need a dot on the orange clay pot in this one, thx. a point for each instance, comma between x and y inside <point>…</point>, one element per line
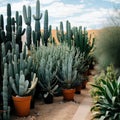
<point>68,94</point>
<point>22,105</point>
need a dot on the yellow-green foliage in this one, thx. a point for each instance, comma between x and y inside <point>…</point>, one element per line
<point>106,96</point>
<point>109,74</point>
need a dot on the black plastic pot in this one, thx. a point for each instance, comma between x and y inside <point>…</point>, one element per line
<point>48,99</point>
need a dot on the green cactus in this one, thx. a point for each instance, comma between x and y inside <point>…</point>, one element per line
<point>81,40</point>
<point>60,34</point>
<point>13,24</point>
<point>1,22</point>
<point>65,36</point>
<point>68,36</point>
<point>22,88</point>
<point>8,26</point>
<point>37,23</point>
<point>47,32</point>
<point>27,19</point>
<point>46,73</point>
<point>19,32</point>
<point>1,40</point>
<point>6,108</point>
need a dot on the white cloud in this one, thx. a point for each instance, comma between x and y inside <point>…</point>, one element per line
<point>48,1</point>
<point>78,14</point>
<point>114,1</point>
<point>92,19</point>
<point>59,9</point>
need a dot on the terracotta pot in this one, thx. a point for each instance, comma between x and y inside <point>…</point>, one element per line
<point>68,94</point>
<point>22,105</point>
<point>78,89</point>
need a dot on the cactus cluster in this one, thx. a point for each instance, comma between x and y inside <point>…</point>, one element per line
<point>82,41</point>
<point>65,36</point>
<point>75,36</point>
<point>21,86</point>
<point>17,69</point>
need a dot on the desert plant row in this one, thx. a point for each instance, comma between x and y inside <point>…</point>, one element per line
<point>47,66</point>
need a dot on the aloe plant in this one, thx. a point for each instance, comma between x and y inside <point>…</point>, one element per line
<point>107,96</point>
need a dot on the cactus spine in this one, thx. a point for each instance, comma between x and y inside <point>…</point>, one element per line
<point>47,32</point>
<point>37,18</point>
<point>27,19</point>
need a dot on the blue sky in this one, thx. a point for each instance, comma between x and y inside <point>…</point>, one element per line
<point>92,14</point>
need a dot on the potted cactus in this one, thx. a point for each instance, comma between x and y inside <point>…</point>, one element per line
<point>47,79</point>
<point>21,79</point>
<point>68,74</point>
<point>22,90</point>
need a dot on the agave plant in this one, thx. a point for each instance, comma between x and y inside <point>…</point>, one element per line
<point>107,105</point>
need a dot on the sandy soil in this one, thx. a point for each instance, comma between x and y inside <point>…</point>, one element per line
<point>58,110</point>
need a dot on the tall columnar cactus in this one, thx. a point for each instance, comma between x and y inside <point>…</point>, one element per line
<point>61,33</point>
<point>37,18</point>
<point>1,27</point>
<point>68,35</point>
<point>65,36</point>
<point>13,24</point>
<point>1,40</point>
<point>82,41</point>
<point>1,23</point>
<point>6,108</point>
<point>8,26</point>
<point>20,32</point>
<point>27,19</point>
<point>6,37</point>
<point>47,32</point>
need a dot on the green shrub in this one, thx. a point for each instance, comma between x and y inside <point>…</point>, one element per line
<point>108,47</point>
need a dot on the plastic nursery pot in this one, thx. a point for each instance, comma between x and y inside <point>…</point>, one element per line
<point>68,94</point>
<point>78,89</point>
<point>84,84</point>
<point>48,99</point>
<point>22,105</point>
